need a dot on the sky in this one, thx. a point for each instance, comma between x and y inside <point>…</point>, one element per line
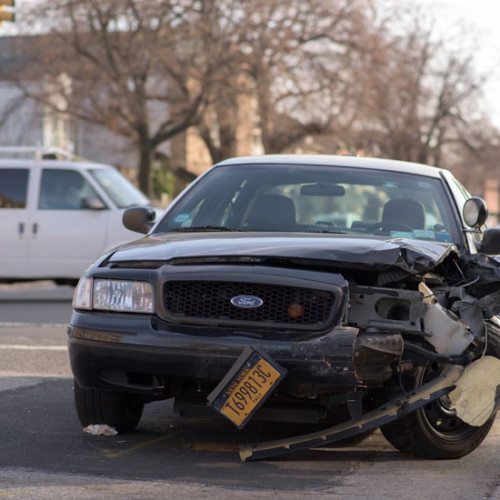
<point>481,19</point>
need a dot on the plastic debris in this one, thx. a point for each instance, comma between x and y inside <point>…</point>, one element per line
<point>100,430</point>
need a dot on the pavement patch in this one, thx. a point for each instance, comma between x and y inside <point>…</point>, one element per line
<point>8,383</point>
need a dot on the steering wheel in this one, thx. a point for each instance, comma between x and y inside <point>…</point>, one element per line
<point>325,223</point>
<point>394,226</point>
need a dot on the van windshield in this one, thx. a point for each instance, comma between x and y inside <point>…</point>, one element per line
<point>122,192</point>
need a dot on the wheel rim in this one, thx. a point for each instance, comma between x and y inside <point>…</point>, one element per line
<point>439,416</point>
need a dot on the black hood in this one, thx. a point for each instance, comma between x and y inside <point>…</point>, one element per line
<point>360,252</point>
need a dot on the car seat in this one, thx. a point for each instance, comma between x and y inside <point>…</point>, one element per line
<point>272,212</point>
<point>404,211</point>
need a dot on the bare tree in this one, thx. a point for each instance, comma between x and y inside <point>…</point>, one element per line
<point>132,66</point>
<point>341,70</point>
<point>291,58</point>
<point>418,94</point>
<point>299,55</point>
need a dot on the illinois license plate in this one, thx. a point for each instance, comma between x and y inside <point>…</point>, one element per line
<point>246,386</point>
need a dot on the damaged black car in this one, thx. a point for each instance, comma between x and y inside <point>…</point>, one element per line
<point>352,293</point>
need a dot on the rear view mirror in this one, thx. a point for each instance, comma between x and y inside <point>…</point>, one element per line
<point>139,219</point>
<point>322,190</point>
<point>475,212</point>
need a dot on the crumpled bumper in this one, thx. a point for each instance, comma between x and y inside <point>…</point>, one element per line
<point>342,357</point>
<point>388,412</point>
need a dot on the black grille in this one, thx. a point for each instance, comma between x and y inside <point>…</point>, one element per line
<point>211,300</point>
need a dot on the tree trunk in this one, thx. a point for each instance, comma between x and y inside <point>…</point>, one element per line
<point>145,157</point>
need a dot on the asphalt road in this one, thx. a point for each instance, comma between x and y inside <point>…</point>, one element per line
<point>44,452</point>
<point>40,434</point>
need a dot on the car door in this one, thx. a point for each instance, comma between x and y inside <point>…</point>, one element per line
<point>14,221</point>
<point>68,233</point>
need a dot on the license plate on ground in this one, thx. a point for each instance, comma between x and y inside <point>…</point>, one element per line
<point>246,386</point>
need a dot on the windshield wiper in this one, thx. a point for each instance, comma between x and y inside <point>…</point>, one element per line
<point>205,228</point>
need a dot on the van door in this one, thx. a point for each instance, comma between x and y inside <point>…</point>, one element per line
<point>14,221</point>
<point>68,229</point>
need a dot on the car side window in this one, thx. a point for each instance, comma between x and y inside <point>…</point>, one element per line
<point>13,187</point>
<point>64,190</point>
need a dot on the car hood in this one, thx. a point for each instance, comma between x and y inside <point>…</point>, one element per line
<point>414,256</point>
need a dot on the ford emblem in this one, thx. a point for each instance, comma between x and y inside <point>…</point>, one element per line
<point>247,301</point>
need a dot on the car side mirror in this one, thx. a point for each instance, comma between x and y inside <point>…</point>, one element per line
<point>92,203</point>
<point>475,212</point>
<point>139,219</point>
<point>490,243</point>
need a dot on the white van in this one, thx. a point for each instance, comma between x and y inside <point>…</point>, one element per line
<point>58,216</point>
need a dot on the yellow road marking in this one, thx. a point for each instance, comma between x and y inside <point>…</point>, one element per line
<point>114,454</point>
<point>193,446</point>
<point>214,447</point>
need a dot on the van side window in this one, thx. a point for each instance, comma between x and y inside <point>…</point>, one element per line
<point>64,190</point>
<point>13,187</point>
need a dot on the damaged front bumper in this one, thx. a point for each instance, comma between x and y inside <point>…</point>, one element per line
<point>473,393</point>
<point>388,412</point>
<point>344,357</point>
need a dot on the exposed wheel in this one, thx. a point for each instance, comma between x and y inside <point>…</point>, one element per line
<point>97,406</point>
<point>434,431</point>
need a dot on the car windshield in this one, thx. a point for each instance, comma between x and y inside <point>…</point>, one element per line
<point>315,199</point>
<point>122,192</point>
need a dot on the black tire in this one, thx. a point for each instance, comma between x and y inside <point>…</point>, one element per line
<point>96,406</point>
<point>434,431</point>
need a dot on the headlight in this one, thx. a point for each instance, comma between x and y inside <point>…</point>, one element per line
<point>126,296</point>
<point>114,295</point>
<point>82,298</point>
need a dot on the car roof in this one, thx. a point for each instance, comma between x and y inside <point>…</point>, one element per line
<point>338,161</point>
<point>33,163</point>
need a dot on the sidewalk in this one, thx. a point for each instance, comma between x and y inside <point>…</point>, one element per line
<point>36,290</point>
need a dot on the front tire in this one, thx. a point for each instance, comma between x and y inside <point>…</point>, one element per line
<point>116,409</point>
<point>434,431</point>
